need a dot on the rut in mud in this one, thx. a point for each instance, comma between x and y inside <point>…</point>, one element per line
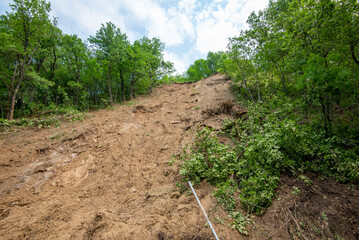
<point>108,177</point>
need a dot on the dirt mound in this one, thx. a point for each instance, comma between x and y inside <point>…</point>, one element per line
<point>108,177</point>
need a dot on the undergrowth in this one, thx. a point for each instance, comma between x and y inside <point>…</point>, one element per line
<point>269,142</point>
<point>51,119</point>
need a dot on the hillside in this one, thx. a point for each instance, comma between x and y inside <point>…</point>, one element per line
<point>109,177</point>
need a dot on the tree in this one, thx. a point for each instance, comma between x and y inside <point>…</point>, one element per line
<point>137,64</point>
<point>153,57</point>
<point>111,46</point>
<point>42,68</point>
<point>198,70</point>
<point>215,61</point>
<point>323,44</point>
<point>310,48</point>
<point>23,29</point>
<point>241,53</point>
<point>75,58</point>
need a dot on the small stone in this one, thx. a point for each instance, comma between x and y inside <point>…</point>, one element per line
<point>60,149</point>
<point>132,190</point>
<point>175,195</point>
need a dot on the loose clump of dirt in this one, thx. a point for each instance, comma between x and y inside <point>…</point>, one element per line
<point>108,177</point>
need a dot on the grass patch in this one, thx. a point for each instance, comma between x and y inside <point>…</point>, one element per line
<point>46,120</point>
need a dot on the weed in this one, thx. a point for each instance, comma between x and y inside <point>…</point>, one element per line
<point>305,180</point>
<point>240,222</point>
<point>228,124</point>
<point>57,136</point>
<point>296,191</point>
<point>197,107</point>
<point>218,220</point>
<point>129,103</point>
<point>324,216</point>
<point>172,161</point>
<point>194,93</point>
<point>46,121</point>
<point>338,237</point>
<point>225,195</point>
<point>181,187</point>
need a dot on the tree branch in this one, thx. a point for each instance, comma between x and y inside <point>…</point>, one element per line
<point>32,54</point>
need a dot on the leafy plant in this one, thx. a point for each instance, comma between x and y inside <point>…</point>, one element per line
<point>296,191</point>
<point>240,222</point>
<point>225,195</point>
<point>324,216</point>
<point>305,180</point>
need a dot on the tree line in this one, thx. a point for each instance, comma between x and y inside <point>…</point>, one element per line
<point>43,68</point>
<point>305,51</point>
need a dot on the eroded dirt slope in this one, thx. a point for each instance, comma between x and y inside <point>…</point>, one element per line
<point>108,177</point>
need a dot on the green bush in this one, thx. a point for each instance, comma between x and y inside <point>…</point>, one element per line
<point>270,141</point>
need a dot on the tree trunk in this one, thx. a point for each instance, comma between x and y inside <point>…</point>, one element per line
<point>131,92</point>
<point>109,86</point>
<point>132,84</point>
<point>282,79</point>
<point>77,89</point>
<point>88,99</point>
<point>53,64</point>
<point>23,66</point>
<point>45,100</point>
<point>122,85</point>
<point>13,91</point>
<point>353,53</point>
<point>12,101</point>
<point>326,114</point>
<point>259,93</point>
<point>245,85</point>
<point>2,109</point>
<point>39,65</point>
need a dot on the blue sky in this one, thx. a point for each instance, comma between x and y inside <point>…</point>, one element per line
<point>189,28</point>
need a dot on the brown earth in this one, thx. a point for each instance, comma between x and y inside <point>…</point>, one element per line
<point>109,177</point>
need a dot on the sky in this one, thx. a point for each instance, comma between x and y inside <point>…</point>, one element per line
<point>189,28</point>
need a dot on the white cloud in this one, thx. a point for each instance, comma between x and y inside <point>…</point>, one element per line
<point>84,18</point>
<point>172,26</point>
<point>187,6</point>
<point>213,35</point>
<point>179,62</point>
<point>219,22</point>
<point>190,28</point>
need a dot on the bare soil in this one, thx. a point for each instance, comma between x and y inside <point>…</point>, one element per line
<point>109,177</point>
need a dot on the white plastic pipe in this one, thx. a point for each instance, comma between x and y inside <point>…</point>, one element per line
<point>204,212</point>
